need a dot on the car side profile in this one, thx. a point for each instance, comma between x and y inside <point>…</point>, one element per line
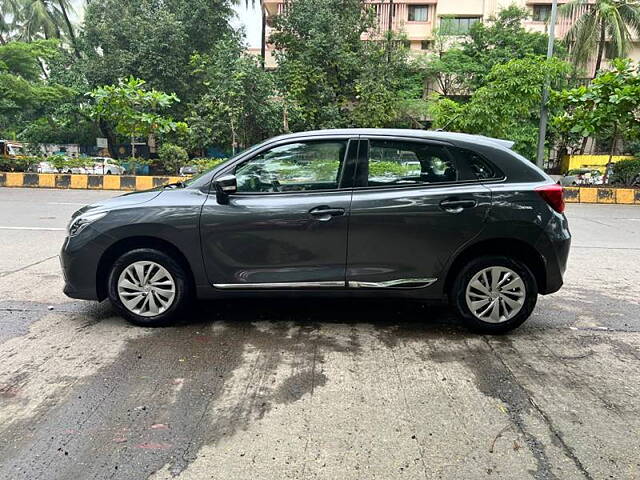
<point>422,215</point>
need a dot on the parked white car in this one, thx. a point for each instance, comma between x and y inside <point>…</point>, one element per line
<point>105,166</point>
<point>45,167</point>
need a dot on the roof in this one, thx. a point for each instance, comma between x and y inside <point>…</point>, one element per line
<point>400,132</point>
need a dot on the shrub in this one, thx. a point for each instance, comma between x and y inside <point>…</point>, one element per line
<point>172,157</point>
<point>626,172</point>
<point>204,164</point>
<point>19,164</point>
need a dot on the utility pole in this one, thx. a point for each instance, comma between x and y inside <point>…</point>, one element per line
<point>544,111</point>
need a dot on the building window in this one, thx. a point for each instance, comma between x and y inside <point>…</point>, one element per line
<point>541,13</point>
<point>426,44</point>
<point>418,13</point>
<point>457,25</point>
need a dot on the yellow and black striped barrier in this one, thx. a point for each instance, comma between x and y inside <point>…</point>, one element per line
<point>84,182</point>
<point>621,196</point>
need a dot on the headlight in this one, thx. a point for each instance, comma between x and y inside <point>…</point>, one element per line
<point>77,224</point>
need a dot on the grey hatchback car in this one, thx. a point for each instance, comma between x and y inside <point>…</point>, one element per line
<point>429,216</point>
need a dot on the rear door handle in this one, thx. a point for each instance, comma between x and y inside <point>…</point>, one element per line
<point>457,206</point>
<point>325,213</point>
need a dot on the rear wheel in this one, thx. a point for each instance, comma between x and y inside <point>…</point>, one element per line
<point>494,294</point>
<point>148,287</point>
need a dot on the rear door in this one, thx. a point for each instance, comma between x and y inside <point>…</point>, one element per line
<point>414,204</point>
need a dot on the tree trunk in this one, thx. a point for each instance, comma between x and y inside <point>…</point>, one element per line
<point>108,133</point>
<point>601,46</point>
<point>611,151</point>
<point>2,40</point>
<point>43,68</point>
<point>583,146</point>
<point>72,34</point>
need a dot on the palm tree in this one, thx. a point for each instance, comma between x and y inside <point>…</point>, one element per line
<point>598,23</point>
<point>8,10</point>
<point>66,7</point>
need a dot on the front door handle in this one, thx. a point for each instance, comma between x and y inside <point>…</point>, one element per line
<point>454,205</point>
<point>325,213</point>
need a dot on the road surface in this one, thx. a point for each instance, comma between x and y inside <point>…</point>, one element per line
<point>322,389</point>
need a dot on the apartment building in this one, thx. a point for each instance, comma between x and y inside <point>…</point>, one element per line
<point>418,19</point>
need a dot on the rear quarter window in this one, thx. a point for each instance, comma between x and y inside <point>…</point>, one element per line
<point>474,166</point>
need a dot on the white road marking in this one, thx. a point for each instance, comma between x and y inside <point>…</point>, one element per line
<point>34,228</point>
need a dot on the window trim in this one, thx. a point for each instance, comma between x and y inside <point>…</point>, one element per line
<point>348,158</point>
<point>416,5</point>
<point>537,6</point>
<point>363,156</point>
<point>477,18</point>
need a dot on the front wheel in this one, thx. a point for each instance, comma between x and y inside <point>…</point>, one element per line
<point>148,287</point>
<point>494,294</point>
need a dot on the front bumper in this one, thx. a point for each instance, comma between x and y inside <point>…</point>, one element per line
<point>79,270</point>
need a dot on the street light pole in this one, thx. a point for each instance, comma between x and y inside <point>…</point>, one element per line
<point>544,112</point>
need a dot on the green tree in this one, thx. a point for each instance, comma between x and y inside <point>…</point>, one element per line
<point>613,22</point>
<point>24,95</point>
<point>320,56</point>
<point>150,39</point>
<point>134,109</point>
<point>330,77</point>
<point>609,106</point>
<point>507,106</point>
<point>460,67</point>
<point>239,105</point>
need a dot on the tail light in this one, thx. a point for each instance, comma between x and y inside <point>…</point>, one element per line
<point>553,195</point>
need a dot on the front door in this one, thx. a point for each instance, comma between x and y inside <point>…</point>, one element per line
<point>287,225</point>
<point>414,205</point>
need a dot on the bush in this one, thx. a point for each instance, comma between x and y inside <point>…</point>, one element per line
<point>172,157</point>
<point>20,164</point>
<point>626,172</point>
<point>204,164</point>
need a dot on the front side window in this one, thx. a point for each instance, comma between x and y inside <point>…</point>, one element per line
<point>541,13</point>
<point>294,167</point>
<point>418,13</point>
<point>457,25</point>
<point>408,163</point>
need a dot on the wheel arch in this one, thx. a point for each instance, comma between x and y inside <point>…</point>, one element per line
<point>513,248</point>
<point>127,244</point>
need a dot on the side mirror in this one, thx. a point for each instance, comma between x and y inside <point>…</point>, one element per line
<point>225,186</point>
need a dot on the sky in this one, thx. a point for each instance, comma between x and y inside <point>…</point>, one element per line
<point>247,17</point>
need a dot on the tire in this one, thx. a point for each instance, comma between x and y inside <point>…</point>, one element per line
<point>514,305</point>
<point>159,310</point>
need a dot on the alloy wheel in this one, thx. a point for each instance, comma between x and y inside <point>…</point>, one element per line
<point>146,288</point>
<point>495,294</point>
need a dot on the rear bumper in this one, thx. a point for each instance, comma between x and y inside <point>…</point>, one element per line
<point>554,247</point>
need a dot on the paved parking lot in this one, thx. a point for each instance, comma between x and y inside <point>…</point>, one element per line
<point>318,390</point>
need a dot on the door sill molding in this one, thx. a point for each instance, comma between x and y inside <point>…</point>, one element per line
<point>398,283</point>
<point>280,285</point>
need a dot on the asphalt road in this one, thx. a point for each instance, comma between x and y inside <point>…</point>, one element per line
<point>318,390</point>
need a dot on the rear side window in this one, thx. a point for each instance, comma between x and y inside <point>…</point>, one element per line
<point>476,167</point>
<point>408,163</point>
